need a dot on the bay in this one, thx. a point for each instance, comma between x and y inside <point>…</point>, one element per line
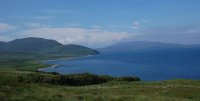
<point>149,65</point>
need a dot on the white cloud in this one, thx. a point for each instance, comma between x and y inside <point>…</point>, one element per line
<point>4,27</point>
<point>60,11</point>
<point>43,17</point>
<point>97,27</point>
<point>115,26</point>
<point>34,25</point>
<point>4,38</point>
<point>181,35</point>
<point>136,25</point>
<point>145,20</point>
<point>39,17</point>
<point>73,24</point>
<point>99,37</point>
<point>87,37</point>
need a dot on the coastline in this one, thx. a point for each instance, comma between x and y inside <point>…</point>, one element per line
<point>69,58</point>
<point>56,65</point>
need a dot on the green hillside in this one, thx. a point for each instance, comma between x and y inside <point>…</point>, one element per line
<point>70,49</point>
<point>20,79</point>
<point>15,88</point>
<point>45,47</point>
<point>29,45</point>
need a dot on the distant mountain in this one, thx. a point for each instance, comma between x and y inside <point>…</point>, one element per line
<point>144,45</point>
<point>29,45</point>
<point>2,43</point>
<point>44,46</point>
<point>71,49</point>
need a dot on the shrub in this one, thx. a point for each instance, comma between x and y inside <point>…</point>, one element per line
<point>70,79</point>
<point>129,79</point>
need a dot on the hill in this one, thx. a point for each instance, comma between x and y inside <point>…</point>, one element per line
<point>144,45</point>
<point>20,80</point>
<point>28,45</point>
<point>2,43</point>
<point>44,46</point>
<point>70,49</point>
<point>21,86</point>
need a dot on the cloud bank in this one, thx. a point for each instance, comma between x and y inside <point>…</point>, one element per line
<point>97,36</point>
<point>87,37</point>
<point>181,35</point>
<point>4,27</point>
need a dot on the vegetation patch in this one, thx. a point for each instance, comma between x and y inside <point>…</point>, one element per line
<point>20,80</point>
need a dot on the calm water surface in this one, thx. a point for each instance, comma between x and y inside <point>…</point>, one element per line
<point>156,65</point>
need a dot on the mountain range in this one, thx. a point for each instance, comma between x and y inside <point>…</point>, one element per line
<point>44,46</point>
<point>52,47</point>
<point>2,43</point>
<point>144,45</point>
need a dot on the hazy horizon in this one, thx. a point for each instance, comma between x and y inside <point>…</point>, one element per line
<point>100,23</point>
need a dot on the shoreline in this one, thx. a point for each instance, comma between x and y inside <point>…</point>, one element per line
<point>56,65</point>
<point>68,58</point>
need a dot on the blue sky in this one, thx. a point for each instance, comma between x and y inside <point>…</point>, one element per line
<point>99,23</point>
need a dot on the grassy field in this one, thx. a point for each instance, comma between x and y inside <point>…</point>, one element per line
<point>172,90</point>
<point>13,89</point>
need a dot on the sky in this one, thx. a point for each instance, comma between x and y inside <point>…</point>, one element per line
<point>100,23</point>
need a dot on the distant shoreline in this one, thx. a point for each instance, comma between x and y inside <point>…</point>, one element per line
<point>69,58</point>
<point>56,65</point>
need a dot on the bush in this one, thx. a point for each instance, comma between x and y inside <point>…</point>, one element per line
<point>33,78</point>
<point>71,79</point>
<point>129,79</point>
<point>83,79</point>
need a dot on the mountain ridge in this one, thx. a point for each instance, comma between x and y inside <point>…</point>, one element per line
<point>44,46</point>
<point>2,43</point>
<point>144,45</point>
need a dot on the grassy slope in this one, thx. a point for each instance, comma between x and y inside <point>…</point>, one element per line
<point>174,90</point>
<point>11,90</point>
<point>20,61</point>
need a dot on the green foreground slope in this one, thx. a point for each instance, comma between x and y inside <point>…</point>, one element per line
<point>172,90</point>
<point>19,81</point>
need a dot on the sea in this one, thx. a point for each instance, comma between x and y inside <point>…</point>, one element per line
<point>149,65</point>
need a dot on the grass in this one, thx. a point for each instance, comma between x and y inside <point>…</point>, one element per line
<point>14,66</point>
<point>111,91</point>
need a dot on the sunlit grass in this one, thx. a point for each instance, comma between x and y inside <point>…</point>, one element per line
<point>13,90</point>
<point>117,91</point>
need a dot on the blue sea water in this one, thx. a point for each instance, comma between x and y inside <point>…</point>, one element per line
<point>148,65</point>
